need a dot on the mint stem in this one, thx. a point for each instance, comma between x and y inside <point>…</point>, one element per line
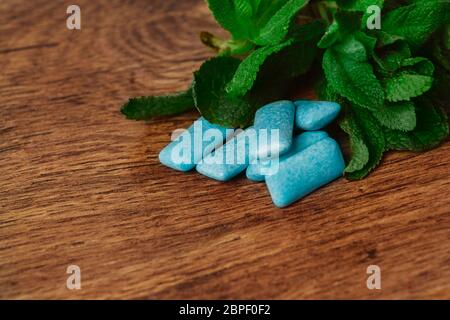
<point>211,40</point>
<point>322,9</point>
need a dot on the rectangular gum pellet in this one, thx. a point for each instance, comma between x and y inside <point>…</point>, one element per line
<point>188,149</point>
<point>229,160</point>
<point>274,116</point>
<point>256,172</point>
<point>314,115</point>
<point>305,172</point>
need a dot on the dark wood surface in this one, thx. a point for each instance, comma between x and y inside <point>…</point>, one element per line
<point>81,185</point>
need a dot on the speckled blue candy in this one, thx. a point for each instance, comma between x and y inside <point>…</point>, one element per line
<point>306,171</point>
<point>165,156</point>
<point>301,142</point>
<point>254,171</point>
<point>314,115</point>
<point>277,115</point>
<point>223,171</point>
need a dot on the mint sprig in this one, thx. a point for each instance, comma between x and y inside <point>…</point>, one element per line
<point>392,83</point>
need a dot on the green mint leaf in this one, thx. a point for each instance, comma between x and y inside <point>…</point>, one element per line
<point>368,42</point>
<point>143,108</point>
<point>420,65</point>
<point>391,57</point>
<point>373,138</point>
<point>348,72</point>
<point>360,152</point>
<point>326,93</point>
<point>244,9</point>
<point>431,130</point>
<point>260,21</point>
<point>275,30</point>
<point>225,14</point>
<point>210,96</point>
<point>344,23</point>
<point>416,22</point>
<point>412,80</point>
<point>397,116</point>
<point>248,70</point>
<point>404,86</point>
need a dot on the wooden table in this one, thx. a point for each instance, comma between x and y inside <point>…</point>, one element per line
<point>81,185</point>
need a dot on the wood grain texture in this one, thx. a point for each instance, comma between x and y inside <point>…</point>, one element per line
<point>82,185</point>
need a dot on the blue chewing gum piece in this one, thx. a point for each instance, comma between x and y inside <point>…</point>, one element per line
<point>306,171</point>
<point>305,140</point>
<point>193,144</point>
<point>256,172</point>
<point>314,115</point>
<point>274,124</point>
<point>229,160</point>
